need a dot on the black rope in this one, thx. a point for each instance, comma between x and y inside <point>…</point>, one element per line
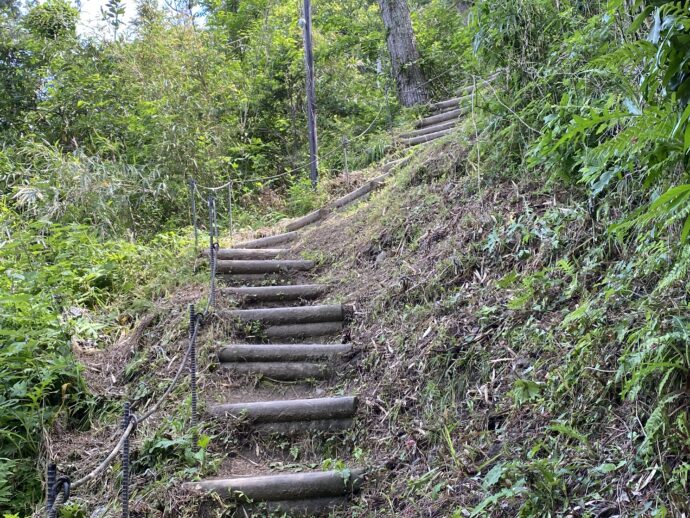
<point>60,493</point>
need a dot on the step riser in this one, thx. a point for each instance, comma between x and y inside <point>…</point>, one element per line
<point>445,105</point>
<point>289,410</point>
<point>263,266</point>
<point>272,488</point>
<point>300,427</point>
<point>282,352</point>
<point>293,508</point>
<point>443,117</point>
<point>281,371</point>
<point>310,218</point>
<point>288,316</point>
<point>276,293</point>
<point>268,242</point>
<point>430,129</point>
<point>426,138</point>
<point>302,331</point>
<point>249,254</point>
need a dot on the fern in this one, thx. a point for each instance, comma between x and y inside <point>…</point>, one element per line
<point>679,271</point>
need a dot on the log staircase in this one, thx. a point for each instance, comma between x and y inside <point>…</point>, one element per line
<point>301,344</point>
<point>442,117</point>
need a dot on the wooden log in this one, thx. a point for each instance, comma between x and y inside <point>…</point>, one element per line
<point>276,293</point>
<point>281,371</point>
<point>425,138</point>
<point>354,195</point>
<point>362,191</point>
<point>295,331</point>
<point>292,508</point>
<point>300,427</point>
<point>268,242</point>
<point>310,218</point>
<point>429,129</point>
<point>395,163</point>
<point>249,253</point>
<point>264,266</point>
<point>369,186</point>
<point>288,486</point>
<point>243,277</point>
<point>444,105</point>
<point>281,352</point>
<point>290,315</point>
<point>288,410</point>
<point>441,117</point>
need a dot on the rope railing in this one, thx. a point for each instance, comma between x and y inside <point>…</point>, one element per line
<point>291,171</point>
<point>58,489</point>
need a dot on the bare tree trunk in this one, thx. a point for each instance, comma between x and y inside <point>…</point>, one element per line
<point>402,48</point>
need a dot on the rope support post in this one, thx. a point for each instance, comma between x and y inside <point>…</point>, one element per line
<point>51,476</point>
<point>124,494</point>
<point>230,226</point>
<point>193,322</point>
<point>346,144</point>
<point>213,247</point>
<point>192,196</point>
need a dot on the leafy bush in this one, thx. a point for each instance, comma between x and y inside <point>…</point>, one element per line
<point>55,280</point>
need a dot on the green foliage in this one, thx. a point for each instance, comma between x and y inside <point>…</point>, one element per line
<point>56,279</point>
<point>53,19</point>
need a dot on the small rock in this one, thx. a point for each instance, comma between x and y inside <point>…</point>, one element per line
<point>320,392</point>
<point>381,257</point>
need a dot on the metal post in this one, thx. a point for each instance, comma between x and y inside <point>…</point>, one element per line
<point>192,194</point>
<point>311,97</point>
<point>346,143</point>
<point>379,71</point>
<point>212,248</point>
<point>192,361</point>
<point>125,463</point>
<point>50,485</point>
<point>230,186</point>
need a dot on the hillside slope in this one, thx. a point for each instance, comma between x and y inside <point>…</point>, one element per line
<point>509,349</point>
<point>511,356</point>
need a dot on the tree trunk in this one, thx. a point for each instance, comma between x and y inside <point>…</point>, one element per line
<point>402,48</point>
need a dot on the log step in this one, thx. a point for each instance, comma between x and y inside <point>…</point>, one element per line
<point>444,105</point>
<point>276,293</point>
<point>263,266</point>
<point>429,129</point>
<point>425,138</point>
<point>289,410</point>
<point>302,331</point>
<point>289,315</point>
<point>281,371</point>
<point>301,427</point>
<point>362,191</point>
<point>441,117</point>
<point>284,487</point>
<point>293,508</point>
<point>310,218</point>
<point>268,242</point>
<point>282,352</point>
<point>249,253</point>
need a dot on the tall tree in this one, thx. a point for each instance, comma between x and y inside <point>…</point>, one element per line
<point>402,48</point>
